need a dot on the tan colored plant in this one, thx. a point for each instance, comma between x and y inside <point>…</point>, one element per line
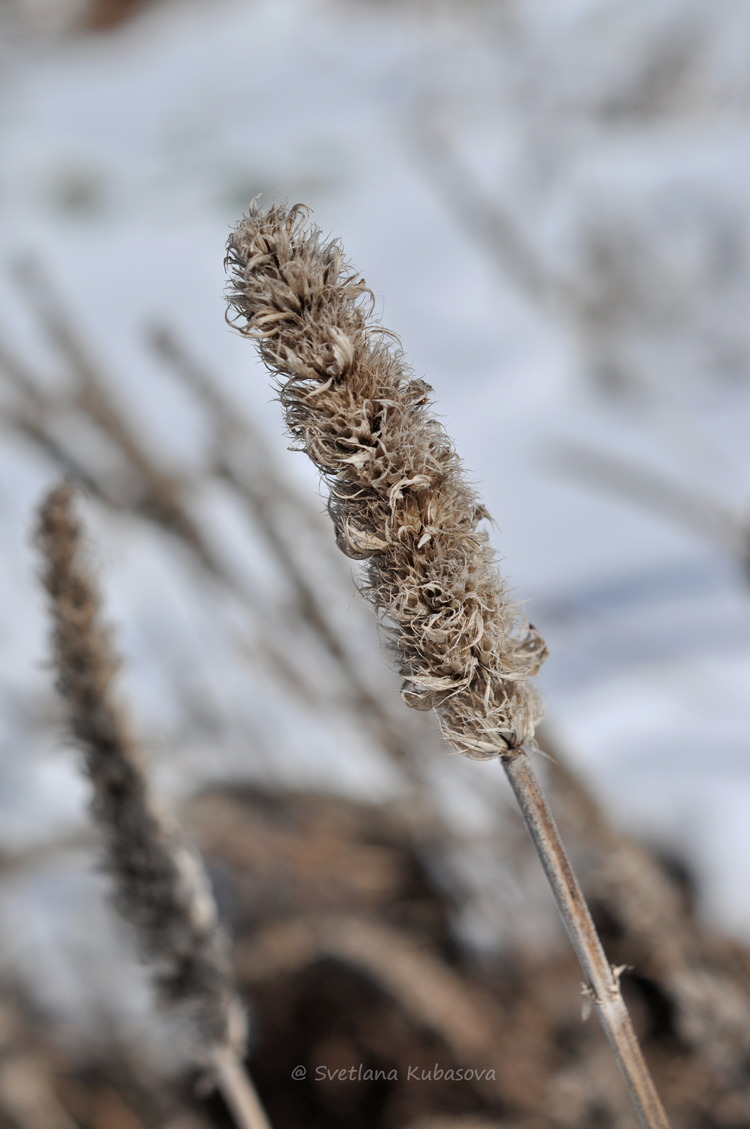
<point>159,882</point>
<point>400,500</point>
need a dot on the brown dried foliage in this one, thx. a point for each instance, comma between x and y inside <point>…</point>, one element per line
<point>399,496</point>
<point>160,886</point>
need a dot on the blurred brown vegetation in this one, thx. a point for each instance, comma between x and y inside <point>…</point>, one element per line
<point>344,951</point>
<point>101,15</point>
<point>344,914</point>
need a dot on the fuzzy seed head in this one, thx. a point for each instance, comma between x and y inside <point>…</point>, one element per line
<point>399,496</point>
<point>160,886</point>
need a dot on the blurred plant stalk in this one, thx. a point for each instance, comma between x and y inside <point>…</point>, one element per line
<point>399,499</point>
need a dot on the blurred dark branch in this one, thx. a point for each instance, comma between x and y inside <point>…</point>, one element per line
<point>160,499</point>
<point>31,416</point>
<point>650,490</point>
<point>254,475</point>
<point>104,15</point>
<point>273,508</point>
<point>589,313</point>
<point>29,1097</point>
<point>162,493</point>
<point>484,220</point>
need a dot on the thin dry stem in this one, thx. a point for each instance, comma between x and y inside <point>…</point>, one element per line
<point>160,886</point>
<point>709,517</point>
<point>602,982</point>
<point>486,221</point>
<point>160,498</point>
<point>239,1092</point>
<point>161,491</point>
<point>698,971</point>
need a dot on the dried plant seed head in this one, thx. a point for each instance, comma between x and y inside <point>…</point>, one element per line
<point>160,886</point>
<point>399,496</point>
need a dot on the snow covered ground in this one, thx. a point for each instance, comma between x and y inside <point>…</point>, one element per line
<point>550,202</point>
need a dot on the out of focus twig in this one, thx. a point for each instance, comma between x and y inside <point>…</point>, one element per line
<point>272,506</point>
<point>650,490</point>
<point>160,499</point>
<point>159,883</point>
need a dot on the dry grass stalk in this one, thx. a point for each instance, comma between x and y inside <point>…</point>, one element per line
<point>160,498</point>
<point>31,415</point>
<point>103,15</point>
<point>483,219</point>
<point>33,428</point>
<point>28,1095</point>
<point>700,972</point>
<point>268,500</point>
<point>602,981</point>
<point>254,478</point>
<point>399,499</point>
<point>159,883</point>
<point>709,517</point>
<point>588,309</point>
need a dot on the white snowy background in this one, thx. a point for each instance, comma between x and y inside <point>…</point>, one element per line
<point>550,202</point>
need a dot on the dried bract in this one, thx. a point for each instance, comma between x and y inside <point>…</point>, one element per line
<point>399,496</point>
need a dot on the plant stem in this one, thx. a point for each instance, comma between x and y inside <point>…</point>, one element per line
<point>238,1092</point>
<point>602,981</point>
